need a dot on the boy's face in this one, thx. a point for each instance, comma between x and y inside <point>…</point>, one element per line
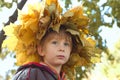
<point>56,49</point>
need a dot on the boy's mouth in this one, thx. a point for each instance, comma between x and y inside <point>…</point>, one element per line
<point>60,56</point>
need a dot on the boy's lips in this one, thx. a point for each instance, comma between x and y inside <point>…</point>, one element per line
<point>61,56</point>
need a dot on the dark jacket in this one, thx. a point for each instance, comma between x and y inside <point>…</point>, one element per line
<point>36,71</point>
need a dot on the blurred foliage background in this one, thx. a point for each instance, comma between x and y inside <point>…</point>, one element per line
<point>104,14</point>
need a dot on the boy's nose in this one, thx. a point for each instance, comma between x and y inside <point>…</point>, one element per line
<point>61,48</point>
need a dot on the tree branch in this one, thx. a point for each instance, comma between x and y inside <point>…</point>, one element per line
<point>12,19</point>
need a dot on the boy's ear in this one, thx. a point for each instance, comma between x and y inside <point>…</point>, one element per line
<point>40,51</point>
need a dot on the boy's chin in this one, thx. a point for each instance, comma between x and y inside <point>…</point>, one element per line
<point>61,62</point>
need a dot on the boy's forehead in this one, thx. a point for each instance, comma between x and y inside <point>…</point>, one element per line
<point>58,36</point>
<point>55,36</point>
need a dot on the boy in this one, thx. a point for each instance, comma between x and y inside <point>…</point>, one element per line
<point>47,44</point>
<point>54,49</point>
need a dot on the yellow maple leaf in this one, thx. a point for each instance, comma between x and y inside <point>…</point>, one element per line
<point>91,42</point>
<point>11,39</point>
<point>23,58</point>
<point>49,2</point>
<point>9,29</point>
<point>26,35</point>
<point>53,7</point>
<point>10,43</point>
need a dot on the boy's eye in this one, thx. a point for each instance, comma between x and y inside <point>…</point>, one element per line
<point>54,42</point>
<point>66,44</point>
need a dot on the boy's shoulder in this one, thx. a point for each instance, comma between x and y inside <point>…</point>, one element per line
<point>31,65</point>
<point>32,71</point>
